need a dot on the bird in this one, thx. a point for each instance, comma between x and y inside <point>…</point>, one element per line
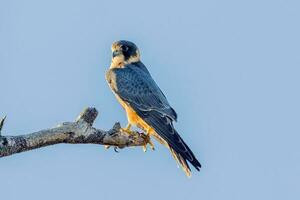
<point>145,104</point>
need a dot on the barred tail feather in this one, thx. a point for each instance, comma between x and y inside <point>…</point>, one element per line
<point>182,162</point>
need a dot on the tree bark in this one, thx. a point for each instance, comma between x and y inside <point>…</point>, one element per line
<point>79,132</point>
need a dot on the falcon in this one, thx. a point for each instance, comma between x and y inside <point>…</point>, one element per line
<point>145,104</point>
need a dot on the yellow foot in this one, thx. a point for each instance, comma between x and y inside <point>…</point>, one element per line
<point>127,129</point>
<point>148,141</point>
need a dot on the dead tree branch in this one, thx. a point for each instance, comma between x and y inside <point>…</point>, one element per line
<point>2,123</point>
<point>79,132</point>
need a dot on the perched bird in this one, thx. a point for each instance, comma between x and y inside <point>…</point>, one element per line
<point>145,104</point>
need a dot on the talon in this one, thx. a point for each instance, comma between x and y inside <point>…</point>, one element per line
<point>106,146</point>
<point>148,141</point>
<point>151,145</point>
<point>116,149</point>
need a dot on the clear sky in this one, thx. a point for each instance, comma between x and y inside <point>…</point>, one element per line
<point>231,70</point>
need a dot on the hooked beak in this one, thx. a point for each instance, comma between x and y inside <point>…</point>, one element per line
<point>116,53</point>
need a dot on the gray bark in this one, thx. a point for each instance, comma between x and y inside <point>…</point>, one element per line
<point>79,132</point>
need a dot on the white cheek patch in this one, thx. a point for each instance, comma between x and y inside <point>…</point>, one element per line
<point>117,61</point>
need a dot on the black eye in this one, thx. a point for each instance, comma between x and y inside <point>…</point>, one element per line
<point>124,48</point>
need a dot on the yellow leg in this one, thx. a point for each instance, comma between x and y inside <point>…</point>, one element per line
<point>148,141</point>
<point>127,129</point>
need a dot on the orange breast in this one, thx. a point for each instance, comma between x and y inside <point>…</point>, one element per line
<point>136,120</point>
<point>133,118</point>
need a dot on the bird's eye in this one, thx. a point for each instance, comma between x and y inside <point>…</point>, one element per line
<point>124,48</point>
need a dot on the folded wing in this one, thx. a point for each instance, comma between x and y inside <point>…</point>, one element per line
<point>136,87</point>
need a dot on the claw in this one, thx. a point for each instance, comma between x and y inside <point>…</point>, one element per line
<point>147,136</point>
<point>151,145</point>
<point>145,148</point>
<point>148,141</point>
<point>116,149</point>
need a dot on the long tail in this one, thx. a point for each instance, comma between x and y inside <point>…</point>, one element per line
<point>166,133</point>
<point>183,156</point>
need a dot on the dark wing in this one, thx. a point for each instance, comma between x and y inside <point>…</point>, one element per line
<point>136,87</point>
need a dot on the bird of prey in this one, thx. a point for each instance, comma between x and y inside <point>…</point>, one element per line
<point>145,104</point>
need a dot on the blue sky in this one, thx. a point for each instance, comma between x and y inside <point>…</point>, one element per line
<point>229,68</point>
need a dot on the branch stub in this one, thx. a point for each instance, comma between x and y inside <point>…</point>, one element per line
<point>88,115</point>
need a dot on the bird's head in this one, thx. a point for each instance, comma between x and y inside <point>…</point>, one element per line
<point>124,52</point>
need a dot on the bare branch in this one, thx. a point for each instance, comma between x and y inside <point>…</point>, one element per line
<point>2,123</point>
<point>78,132</point>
